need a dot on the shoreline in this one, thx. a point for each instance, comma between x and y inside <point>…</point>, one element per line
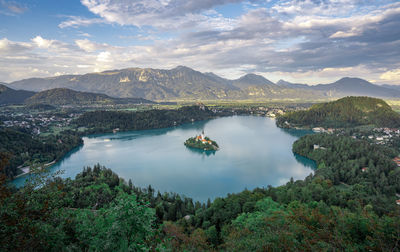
<point>27,169</point>
<point>47,165</point>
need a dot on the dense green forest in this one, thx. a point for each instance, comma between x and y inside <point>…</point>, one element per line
<point>98,209</point>
<point>25,149</point>
<point>345,112</point>
<point>341,160</point>
<point>106,121</point>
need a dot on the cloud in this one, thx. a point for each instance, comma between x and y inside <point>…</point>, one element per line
<point>104,57</point>
<point>392,75</point>
<point>8,47</point>
<point>345,34</point>
<point>312,43</point>
<point>84,34</point>
<point>291,39</point>
<point>75,22</point>
<point>113,11</point>
<point>42,43</point>
<point>12,7</point>
<point>89,46</point>
<point>161,14</point>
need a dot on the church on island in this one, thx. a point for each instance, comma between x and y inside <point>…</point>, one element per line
<point>202,142</point>
<point>202,138</point>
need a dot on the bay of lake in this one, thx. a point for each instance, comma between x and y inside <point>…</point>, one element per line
<point>253,153</point>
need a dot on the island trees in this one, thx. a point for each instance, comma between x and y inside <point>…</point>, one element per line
<point>202,142</point>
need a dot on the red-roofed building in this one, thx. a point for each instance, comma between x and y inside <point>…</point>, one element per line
<point>397,160</point>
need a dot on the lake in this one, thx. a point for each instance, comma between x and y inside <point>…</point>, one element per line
<point>253,153</point>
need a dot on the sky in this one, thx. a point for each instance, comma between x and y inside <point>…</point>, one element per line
<point>301,41</point>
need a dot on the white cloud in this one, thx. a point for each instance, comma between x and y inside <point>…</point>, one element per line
<point>75,22</point>
<point>9,47</point>
<point>42,43</point>
<point>391,76</point>
<point>84,34</point>
<point>104,57</point>
<point>89,46</point>
<point>161,14</point>
<point>345,34</point>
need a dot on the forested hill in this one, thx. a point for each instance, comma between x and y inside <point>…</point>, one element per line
<point>345,112</point>
<point>106,121</point>
<point>355,163</point>
<point>11,96</point>
<point>23,149</point>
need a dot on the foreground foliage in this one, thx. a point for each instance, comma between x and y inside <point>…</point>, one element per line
<point>100,211</point>
<point>311,227</point>
<point>42,216</point>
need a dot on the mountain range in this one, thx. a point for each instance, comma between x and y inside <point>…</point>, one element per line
<point>183,83</point>
<point>61,96</point>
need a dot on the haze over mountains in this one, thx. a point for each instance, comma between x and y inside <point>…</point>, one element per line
<point>61,96</point>
<point>185,83</point>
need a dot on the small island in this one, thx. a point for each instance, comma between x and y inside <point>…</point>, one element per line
<point>202,142</point>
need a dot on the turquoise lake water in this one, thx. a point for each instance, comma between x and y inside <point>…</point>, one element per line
<point>253,153</point>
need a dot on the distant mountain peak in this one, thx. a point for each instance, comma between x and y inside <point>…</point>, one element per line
<point>253,76</point>
<point>283,82</point>
<point>183,68</point>
<point>212,74</point>
<point>252,79</point>
<point>356,86</point>
<point>354,80</point>
<point>287,84</point>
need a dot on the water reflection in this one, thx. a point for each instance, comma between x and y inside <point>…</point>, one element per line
<point>305,161</point>
<point>201,152</point>
<point>296,133</point>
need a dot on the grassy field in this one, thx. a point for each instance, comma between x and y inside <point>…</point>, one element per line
<point>54,130</point>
